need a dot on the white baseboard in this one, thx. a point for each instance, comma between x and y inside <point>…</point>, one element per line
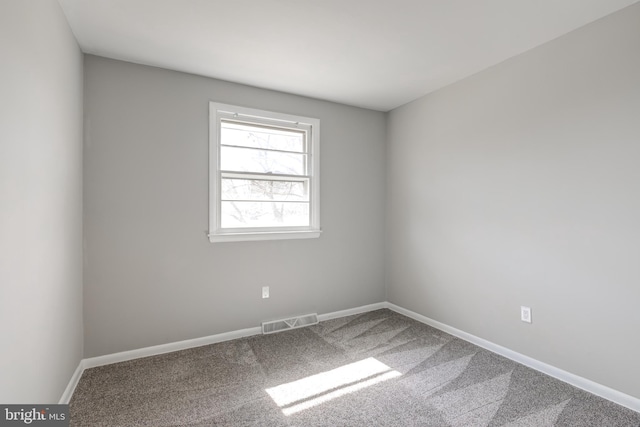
<point>75,378</point>
<point>567,377</point>
<point>575,380</point>
<point>155,350</point>
<point>352,311</point>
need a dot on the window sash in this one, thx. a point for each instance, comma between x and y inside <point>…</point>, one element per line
<point>267,214</point>
<point>293,163</point>
<point>304,181</point>
<point>297,129</point>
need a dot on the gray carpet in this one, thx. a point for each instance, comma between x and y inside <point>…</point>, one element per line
<point>374,369</point>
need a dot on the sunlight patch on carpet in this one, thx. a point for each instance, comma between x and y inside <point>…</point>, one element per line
<point>316,389</point>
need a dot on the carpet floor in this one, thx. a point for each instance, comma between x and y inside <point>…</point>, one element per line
<point>375,369</point>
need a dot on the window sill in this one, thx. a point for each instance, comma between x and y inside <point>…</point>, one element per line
<point>264,235</point>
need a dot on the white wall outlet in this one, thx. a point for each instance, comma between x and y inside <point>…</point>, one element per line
<point>265,292</point>
<point>525,314</point>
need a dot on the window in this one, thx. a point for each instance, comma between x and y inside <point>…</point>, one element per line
<point>263,175</point>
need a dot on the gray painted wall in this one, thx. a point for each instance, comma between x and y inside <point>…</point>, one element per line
<point>40,202</point>
<point>151,275</point>
<point>521,186</point>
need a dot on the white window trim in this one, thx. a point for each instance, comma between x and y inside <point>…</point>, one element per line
<point>217,111</point>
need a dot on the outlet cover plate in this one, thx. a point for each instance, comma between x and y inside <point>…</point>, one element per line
<point>525,314</point>
<point>265,292</point>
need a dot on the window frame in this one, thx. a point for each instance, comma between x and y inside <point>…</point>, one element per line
<point>219,112</point>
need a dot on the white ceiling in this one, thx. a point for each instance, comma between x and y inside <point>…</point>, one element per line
<point>376,54</point>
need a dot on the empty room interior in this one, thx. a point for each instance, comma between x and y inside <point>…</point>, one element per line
<point>276,212</point>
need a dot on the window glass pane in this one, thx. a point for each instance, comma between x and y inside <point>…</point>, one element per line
<point>259,189</point>
<point>261,137</point>
<point>261,161</point>
<point>264,214</point>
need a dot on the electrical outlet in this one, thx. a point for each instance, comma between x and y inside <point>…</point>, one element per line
<point>525,314</point>
<point>265,292</point>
